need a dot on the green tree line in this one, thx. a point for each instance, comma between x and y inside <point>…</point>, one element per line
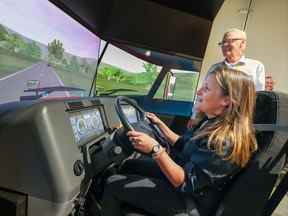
<point>16,44</point>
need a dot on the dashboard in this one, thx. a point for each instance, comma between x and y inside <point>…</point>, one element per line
<point>58,145</point>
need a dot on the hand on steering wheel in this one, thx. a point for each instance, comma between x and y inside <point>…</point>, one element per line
<point>145,124</point>
<point>141,141</point>
<point>153,118</point>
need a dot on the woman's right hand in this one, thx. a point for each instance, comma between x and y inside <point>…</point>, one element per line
<point>154,119</point>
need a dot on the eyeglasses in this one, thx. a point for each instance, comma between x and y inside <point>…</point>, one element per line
<point>229,41</point>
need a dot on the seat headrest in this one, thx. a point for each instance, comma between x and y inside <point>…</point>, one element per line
<point>266,108</point>
<point>271,108</point>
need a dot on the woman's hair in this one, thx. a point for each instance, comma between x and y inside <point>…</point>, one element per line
<point>234,127</point>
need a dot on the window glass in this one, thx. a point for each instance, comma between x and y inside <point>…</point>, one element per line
<point>178,85</point>
<point>44,53</point>
<point>121,73</point>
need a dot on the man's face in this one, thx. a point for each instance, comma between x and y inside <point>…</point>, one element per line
<point>233,46</point>
<point>269,83</point>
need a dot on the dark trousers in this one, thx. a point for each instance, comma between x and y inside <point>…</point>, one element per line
<point>141,185</point>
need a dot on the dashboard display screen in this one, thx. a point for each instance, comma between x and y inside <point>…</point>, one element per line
<point>86,124</point>
<point>130,112</point>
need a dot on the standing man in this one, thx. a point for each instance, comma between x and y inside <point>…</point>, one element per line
<point>233,47</point>
<point>269,83</point>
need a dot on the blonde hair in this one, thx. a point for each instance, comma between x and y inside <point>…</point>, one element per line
<point>234,127</point>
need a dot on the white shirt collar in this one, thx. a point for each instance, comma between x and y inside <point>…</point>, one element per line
<point>242,60</point>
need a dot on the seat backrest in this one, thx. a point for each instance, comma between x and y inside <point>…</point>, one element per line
<point>250,190</point>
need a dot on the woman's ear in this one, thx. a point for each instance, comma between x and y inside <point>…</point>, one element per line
<point>226,101</point>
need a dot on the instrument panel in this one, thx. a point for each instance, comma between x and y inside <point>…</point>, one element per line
<point>86,123</point>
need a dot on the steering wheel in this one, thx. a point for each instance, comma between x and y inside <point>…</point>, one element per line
<point>144,124</point>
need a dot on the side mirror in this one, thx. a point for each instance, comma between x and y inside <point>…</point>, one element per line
<point>171,85</point>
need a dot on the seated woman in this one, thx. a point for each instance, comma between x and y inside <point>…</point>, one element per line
<point>201,161</point>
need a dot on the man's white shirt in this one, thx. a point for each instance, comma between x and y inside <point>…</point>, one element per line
<point>251,67</point>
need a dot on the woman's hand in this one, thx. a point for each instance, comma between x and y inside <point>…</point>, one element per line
<point>141,141</point>
<point>154,119</point>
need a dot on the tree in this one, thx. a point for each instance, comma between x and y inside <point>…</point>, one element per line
<point>119,76</point>
<point>150,68</point>
<point>108,72</point>
<point>29,49</point>
<point>33,50</point>
<point>55,51</point>
<point>74,65</point>
<point>3,33</point>
<point>84,66</point>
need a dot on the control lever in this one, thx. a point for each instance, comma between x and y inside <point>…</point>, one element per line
<point>82,198</point>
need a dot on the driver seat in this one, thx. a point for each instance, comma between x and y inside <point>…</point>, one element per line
<point>249,191</point>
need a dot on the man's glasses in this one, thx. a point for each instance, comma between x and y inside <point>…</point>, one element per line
<point>228,41</point>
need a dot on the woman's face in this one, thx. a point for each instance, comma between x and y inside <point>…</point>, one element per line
<point>210,98</point>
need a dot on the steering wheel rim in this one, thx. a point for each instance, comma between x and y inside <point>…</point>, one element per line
<point>124,120</point>
<point>127,125</point>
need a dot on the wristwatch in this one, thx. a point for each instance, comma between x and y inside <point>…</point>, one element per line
<point>156,149</point>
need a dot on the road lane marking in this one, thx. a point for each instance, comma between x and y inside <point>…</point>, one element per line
<point>23,70</point>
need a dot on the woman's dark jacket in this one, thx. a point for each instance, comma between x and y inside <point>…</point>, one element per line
<point>206,173</point>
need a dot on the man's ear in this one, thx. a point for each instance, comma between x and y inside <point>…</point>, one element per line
<point>243,45</point>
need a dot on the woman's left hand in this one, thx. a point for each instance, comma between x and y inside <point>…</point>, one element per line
<point>141,141</point>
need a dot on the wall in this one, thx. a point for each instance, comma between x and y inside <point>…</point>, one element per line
<point>267,31</point>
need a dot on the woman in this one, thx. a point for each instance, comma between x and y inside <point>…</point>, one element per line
<point>202,161</point>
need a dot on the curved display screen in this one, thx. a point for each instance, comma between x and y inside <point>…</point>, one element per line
<point>86,124</point>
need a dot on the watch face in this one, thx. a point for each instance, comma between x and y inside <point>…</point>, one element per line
<point>156,148</point>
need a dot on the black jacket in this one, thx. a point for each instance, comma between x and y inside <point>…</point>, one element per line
<point>206,173</point>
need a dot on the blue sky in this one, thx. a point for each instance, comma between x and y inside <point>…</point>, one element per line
<point>41,21</point>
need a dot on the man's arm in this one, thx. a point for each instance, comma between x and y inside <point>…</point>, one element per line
<point>260,72</point>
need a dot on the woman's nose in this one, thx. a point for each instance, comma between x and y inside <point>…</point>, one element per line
<point>199,92</point>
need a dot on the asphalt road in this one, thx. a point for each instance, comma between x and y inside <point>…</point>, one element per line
<point>13,86</point>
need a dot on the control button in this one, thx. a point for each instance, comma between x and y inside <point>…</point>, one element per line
<point>117,150</point>
<point>78,167</point>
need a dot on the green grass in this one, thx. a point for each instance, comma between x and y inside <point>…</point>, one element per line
<point>82,80</point>
<point>104,85</point>
<point>11,62</point>
<point>137,83</point>
<point>74,79</point>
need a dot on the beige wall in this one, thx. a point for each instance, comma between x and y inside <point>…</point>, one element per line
<point>267,31</point>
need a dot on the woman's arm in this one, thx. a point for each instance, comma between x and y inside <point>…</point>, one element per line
<point>167,132</point>
<point>174,173</point>
<point>144,143</point>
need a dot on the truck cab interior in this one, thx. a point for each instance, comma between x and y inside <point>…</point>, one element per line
<point>56,150</point>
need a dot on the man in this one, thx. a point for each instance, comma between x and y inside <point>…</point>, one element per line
<point>269,83</point>
<point>233,47</point>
